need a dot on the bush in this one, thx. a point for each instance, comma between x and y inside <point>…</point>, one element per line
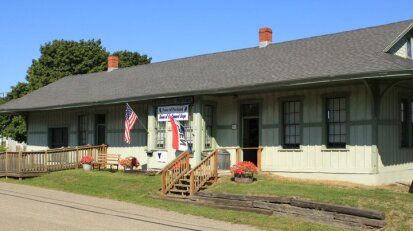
<point>2,148</point>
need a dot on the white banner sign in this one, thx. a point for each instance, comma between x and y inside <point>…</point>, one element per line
<point>178,112</point>
<point>161,156</point>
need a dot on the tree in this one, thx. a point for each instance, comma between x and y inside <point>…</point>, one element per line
<point>62,58</point>
<point>17,91</point>
<point>13,126</point>
<point>128,59</point>
<point>58,59</point>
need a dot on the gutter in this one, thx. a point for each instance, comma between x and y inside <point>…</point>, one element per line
<point>246,89</point>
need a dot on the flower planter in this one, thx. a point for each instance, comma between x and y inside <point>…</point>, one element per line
<point>244,171</point>
<point>87,167</point>
<point>128,163</point>
<point>128,168</point>
<point>243,178</point>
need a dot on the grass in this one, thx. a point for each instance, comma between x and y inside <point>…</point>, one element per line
<point>137,189</point>
<point>393,200</point>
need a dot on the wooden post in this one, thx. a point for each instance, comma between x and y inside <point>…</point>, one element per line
<point>163,183</point>
<point>192,184</point>
<point>19,163</point>
<point>187,160</point>
<point>45,160</point>
<point>89,150</point>
<point>237,155</point>
<point>77,157</point>
<point>6,165</point>
<point>259,158</point>
<point>411,188</point>
<point>216,165</point>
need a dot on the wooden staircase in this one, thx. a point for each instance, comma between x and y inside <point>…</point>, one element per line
<point>178,179</point>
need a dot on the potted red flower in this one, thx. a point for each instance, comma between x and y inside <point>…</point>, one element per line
<point>87,161</point>
<point>244,171</point>
<point>129,162</point>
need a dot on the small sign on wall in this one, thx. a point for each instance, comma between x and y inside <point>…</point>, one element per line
<point>178,112</point>
<point>161,156</point>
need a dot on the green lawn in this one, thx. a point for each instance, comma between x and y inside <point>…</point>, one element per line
<point>137,189</point>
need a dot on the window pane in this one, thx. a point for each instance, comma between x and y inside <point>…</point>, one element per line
<point>250,110</point>
<point>297,107</point>
<point>343,116</point>
<point>58,137</point>
<point>297,130</point>
<point>296,117</point>
<point>160,135</point>
<point>342,104</point>
<point>291,124</point>
<point>336,122</point>
<point>82,130</point>
<point>287,130</point>
<point>100,129</point>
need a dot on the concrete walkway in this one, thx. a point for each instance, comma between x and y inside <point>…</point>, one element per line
<point>31,208</point>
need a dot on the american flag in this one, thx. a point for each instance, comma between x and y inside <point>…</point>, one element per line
<point>130,119</point>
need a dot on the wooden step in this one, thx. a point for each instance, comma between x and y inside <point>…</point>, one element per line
<point>184,180</point>
<point>174,190</point>
<point>178,192</point>
<point>178,196</point>
<point>182,185</point>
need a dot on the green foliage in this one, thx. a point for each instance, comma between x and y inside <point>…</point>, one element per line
<point>18,91</point>
<point>62,58</point>
<point>58,59</point>
<point>2,148</point>
<point>128,59</point>
<point>13,126</point>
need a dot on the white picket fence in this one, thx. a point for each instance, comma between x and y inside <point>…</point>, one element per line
<point>12,145</point>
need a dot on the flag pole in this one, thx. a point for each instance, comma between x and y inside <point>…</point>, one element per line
<point>143,125</point>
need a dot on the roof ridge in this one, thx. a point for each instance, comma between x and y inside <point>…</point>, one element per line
<point>344,32</point>
<point>250,48</point>
<point>273,44</point>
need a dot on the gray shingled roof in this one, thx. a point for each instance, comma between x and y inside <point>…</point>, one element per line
<point>328,56</point>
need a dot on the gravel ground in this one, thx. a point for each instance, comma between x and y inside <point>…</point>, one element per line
<point>31,208</point>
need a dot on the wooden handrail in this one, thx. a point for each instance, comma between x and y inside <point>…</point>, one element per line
<point>172,162</point>
<point>259,152</point>
<point>29,163</point>
<point>174,171</point>
<point>204,171</point>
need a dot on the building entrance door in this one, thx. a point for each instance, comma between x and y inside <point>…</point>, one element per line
<point>250,131</point>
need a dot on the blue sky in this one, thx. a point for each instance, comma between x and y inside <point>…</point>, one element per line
<point>168,30</point>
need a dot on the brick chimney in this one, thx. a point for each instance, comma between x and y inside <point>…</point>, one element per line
<point>265,37</point>
<point>113,63</point>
